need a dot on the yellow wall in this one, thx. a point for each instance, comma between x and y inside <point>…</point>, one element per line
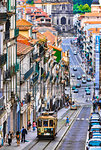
<point>24,33</point>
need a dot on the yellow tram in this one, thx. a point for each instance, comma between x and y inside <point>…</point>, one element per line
<point>47,125</point>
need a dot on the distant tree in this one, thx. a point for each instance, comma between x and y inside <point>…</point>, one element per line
<point>30,2</point>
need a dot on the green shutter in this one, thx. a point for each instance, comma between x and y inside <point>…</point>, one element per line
<point>57,54</point>
<point>9,5</point>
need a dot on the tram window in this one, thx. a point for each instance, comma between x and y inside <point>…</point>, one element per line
<point>39,123</point>
<point>51,123</point>
<point>45,123</point>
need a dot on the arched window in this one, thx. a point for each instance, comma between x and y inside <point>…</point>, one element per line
<point>68,21</point>
<point>63,20</point>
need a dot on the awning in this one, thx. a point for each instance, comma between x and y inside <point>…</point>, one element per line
<point>53,52</point>
<point>57,48</point>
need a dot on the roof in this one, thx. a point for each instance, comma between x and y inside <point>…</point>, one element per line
<point>57,48</point>
<point>39,35</point>
<point>93,22</point>
<point>23,22</point>
<point>50,37</point>
<point>94,14</point>
<point>37,1</point>
<point>34,31</point>
<point>23,49</point>
<point>22,39</point>
<point>95,30</point>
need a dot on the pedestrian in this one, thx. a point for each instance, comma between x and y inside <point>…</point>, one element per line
<point>24,132</point>
<point>9,137</point>
<point>67,121</point>
<point>34,125</point>
<point>18,137</point>
<point>29,125</point>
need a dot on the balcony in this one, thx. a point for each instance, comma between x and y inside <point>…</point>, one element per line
<point>46,59</point>
<point>6,35</point>
<point>34,57</point>
<point>47,75</point>
<point>7,75</point>
<point>16,32</point>
<point>3,59</point>
<point>1,102</point>
<point>35,77</point>
<point>51,77</point>
<point>28,73</point>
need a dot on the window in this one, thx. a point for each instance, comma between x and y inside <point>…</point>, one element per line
<point>39,123</point>
<point>51,123</point>
<point>45,123</point>
<point>63,20</point>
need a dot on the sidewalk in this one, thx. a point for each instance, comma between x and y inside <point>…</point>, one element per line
<point>30,137</point>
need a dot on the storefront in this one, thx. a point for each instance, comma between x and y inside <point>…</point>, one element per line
<point>3,127</point>
<point>23,116</point>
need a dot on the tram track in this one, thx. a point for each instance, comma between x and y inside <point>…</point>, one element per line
<point>42,145</point>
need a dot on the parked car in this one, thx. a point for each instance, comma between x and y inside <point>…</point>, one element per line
<point>94,129</point>
<point>96,135</point>
<point>75,69</point>
<point>93,144</point>
<point>92,123</point>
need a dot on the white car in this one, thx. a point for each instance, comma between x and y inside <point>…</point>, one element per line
<point>93,144</point>
<point>75,53</point>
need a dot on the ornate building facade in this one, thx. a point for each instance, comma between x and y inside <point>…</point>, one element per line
<point>62,15</point>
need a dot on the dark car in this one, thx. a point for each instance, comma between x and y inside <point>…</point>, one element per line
<point>79,78</point>
<point>88,80</point>
<point>88,92</point>
<point>73,88</point>
<point>84,81</point>
<point>76,91</point>
<point>78,85</point>
<point>75,69</point>
<point>72,75</point>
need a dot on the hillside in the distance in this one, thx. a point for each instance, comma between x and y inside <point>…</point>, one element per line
<point>82,2</point>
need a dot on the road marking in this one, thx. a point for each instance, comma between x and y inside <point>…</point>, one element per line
<point>82,119</point>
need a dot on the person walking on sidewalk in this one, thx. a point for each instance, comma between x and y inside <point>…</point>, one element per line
<point>18,137</point>
<point>67,121</point>
<point>24,132</point>
<point>34,125</point>
<point>29,125</point>
<point>9,136</point>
